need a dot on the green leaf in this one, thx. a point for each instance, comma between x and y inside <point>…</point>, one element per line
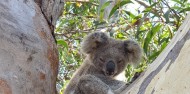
<point>103,8</point>
<point>138,70</point>
<point>154,55</point>
<point>163,40</point>
<point>62,43</point>
<point>164,45</point>
<point>150,35</point>
<point>185,9</point>
<point>129,13</point>
<point>150,1</point>
<point>166,16</point>
<point>178,1</point>
<point>97,23</point>
<point>118,5</point>
<point>148,9</point>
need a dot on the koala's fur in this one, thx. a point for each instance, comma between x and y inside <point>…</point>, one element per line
<point>106,58</point>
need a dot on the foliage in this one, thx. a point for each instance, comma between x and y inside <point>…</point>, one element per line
<point>151,23</point>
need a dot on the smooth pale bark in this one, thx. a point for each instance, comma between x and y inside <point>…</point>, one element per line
<point>170,72</point>
<point>28,54</point>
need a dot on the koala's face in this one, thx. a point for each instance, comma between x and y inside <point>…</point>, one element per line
<point>110,58</point>
<point>108,55</point>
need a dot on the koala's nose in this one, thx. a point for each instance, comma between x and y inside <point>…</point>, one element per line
<point>110,67</point>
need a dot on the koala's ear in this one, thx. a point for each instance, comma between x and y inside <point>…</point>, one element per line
<point>93,41</point>
<point>132,51</point>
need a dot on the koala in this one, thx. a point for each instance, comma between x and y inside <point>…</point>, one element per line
<point>105,59</point>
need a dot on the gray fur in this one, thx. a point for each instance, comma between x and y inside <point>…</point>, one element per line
<point>92,76</point>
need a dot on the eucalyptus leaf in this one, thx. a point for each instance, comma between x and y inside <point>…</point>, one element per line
<point>120,4</point>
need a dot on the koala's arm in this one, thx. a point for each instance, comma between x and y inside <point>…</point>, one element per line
<point>93,41</point>
<point>133,51</point>
<point>90,84</point>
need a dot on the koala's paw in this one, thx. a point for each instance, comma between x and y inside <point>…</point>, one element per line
<point>90,84</point>
<point>86,84</point>
<point>99,37</point>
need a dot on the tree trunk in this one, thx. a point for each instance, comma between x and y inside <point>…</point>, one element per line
<point>28,54</point>
<point>170,72</point>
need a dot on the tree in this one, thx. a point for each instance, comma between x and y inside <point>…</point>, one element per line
<point>28,54</point>
<point>169,73</point>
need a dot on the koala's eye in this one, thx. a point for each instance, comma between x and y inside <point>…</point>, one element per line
<point>101,59</point>
<point>120,61</point>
